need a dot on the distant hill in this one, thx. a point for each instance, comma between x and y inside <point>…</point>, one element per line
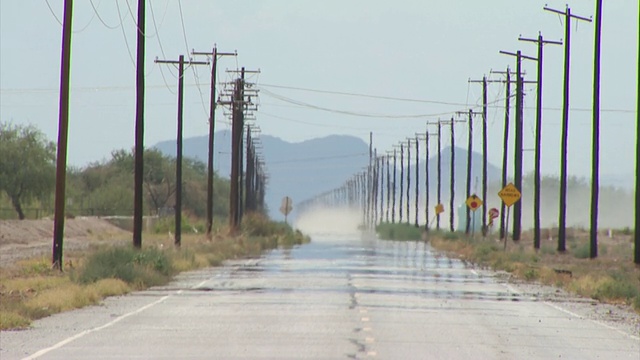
<point>298,170</point>
<point>305,169</point>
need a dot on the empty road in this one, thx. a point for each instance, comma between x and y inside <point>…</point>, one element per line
<point>340,297</point>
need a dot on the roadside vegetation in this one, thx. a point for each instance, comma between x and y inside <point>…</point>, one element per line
<point>611,278</point>
<point>32,289</point>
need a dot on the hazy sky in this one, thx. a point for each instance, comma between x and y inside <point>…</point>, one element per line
<point>409,49</point>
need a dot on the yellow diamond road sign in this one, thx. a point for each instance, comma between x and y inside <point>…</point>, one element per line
<point>439,209</point>
<point>474,202</point>
<point>509,194</point>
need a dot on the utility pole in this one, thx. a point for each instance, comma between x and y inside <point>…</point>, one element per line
<point>63,126</point>
<point>393,205</point>
<point>212,120</point>
<point>469,169</point>
<point>484,82</point>
<point>636,253</point>
<point>518,151</point>
<point>388,188</point>
<point>139,136</point>
<point>408,178</point>
<point>417,178</point>
<point>439,171</point>
<point>595,167</point>
<point>453,179</point>
<point>401,178</point>
<point>505,149</point>
<point>382,184</point>
<point>369,183</point>
<point>562,224</point>
<point>538,147</point>
<point>178,203</point>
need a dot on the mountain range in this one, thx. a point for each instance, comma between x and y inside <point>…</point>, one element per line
<point>304,169</point>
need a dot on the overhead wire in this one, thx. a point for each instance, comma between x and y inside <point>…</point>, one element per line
<point>346,112</point>
<point>95,10</point>
<point>124,35</point>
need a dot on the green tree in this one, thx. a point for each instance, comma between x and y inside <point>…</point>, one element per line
<point>27,165</point>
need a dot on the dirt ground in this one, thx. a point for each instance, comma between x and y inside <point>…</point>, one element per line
<point>21,239</point>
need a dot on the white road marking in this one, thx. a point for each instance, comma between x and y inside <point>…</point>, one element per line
<point>593,321</point>
<point>111,323</point>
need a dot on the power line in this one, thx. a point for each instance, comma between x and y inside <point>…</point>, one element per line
<point>362,95</point>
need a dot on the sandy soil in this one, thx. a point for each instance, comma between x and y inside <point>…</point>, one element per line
<point>21,239</point>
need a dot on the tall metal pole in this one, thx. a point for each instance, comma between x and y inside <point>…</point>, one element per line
<point>595,166</point>
<point>139,136</point>
<point>63,125</point>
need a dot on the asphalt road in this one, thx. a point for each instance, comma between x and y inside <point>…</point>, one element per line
<point>336,298</point>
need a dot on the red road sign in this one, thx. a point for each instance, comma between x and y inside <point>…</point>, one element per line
<point>494,213</point>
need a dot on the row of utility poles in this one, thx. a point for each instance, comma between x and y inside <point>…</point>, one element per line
<point>239,100</point>
<point>363,188</point>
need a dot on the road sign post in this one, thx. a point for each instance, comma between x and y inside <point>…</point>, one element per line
<point>286,207</point>
<point>509,195</point>
<point>474,203</point>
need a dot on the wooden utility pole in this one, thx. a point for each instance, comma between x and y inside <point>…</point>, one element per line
<point>417,179</point>
<point>139,136</point>
<point>178,202</point>
<point>595,166</point>
<point>63,126</point>
<point>538,147</point>
<point>636,253</point>
<point>505,150</point>
<point>469,169</point>
<point>439,171</point>
<point>388,188</point>
<point>212,121</point>
<point>519,130</point>
<point>453,177</point>
<point>401,179</point>
<point>393,205</point>
<point>562,223</point>
<point>236,137</point>
<point>408,179</point>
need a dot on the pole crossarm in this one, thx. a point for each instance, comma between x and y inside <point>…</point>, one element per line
<point>566,12</point>
<point>516,55</point>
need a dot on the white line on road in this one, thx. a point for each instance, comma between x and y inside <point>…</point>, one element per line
<point>593,321</point>
<point>114,321</point>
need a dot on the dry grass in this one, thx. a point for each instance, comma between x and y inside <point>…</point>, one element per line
<point>612,277</point>
<point>31,290</point>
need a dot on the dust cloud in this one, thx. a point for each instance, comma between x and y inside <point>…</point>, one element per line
<point>329,221</point>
